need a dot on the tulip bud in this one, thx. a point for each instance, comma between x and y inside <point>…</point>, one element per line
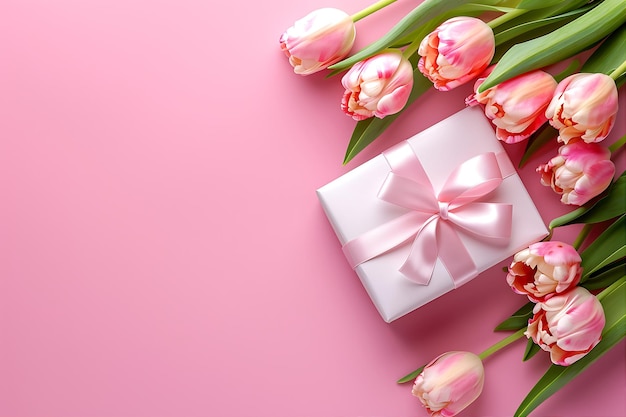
<point>567,325</point>
<point>544,269</point>
<point>579,172</point>
<point>450,383</point>
<point>456,52</point>
<point>517,106</point>
<point>378,86</point>
<point>318,40</point>
<point>584,107</point>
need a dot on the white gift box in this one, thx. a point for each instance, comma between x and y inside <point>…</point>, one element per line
<point>353,207</point>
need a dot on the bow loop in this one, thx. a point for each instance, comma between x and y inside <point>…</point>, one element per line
<point>471,180</point>
<point>407,193</point>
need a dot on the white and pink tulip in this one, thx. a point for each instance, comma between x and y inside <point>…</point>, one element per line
<point>544,269</point>
<point>318,40</point>
<point>456,52</point>
<point>378,86</point>
<point>584,107</point>
<point>517,106</point>
<point>450,383</point>
<point>567,325</point>
<point>579,172</point>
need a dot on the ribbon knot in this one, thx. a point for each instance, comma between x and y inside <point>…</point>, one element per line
<point>443,210</point>
<point>407,185</point>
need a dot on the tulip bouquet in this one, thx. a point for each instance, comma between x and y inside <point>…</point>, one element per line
<point>575,293</point>
<point>442,43</point>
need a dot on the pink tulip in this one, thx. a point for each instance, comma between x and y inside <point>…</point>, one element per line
<point>517,106</point>
<point>544,269</point>
<point>584,106</point>
<point>567,325</point>
<point>579,172</point>
<point>450,383</point>
<point>456,52</point>
<point>378,86</point>
<point>318,40</point>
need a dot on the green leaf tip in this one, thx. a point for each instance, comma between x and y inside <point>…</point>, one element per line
<point>410,377</point>
<point>531,350</point>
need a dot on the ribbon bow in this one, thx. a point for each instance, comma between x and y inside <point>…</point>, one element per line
<point>434,220</point>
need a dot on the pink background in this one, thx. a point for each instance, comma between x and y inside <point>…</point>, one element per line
<point>162,250</point>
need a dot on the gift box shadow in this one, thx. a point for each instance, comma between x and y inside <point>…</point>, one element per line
<point>460,316</point>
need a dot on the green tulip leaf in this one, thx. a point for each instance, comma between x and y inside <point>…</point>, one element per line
<point>537,4</point>
<point>562,43</point>
<point>609,247</point>
<point>531,350</point>
<point>556,377</point>
<point>518,320</point>
<point>605,276</point>
<point>533,28</point>
<point>611,205</point>
<point>369,129</point>
<point>609,55</point>
<point>410,377</point>
<point>573,67</point>
<point>544,135</point>
<point>530,15</point>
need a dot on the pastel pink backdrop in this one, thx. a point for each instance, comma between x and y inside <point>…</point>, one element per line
<point>162,250</point>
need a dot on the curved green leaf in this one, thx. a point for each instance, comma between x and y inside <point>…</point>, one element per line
<point>614,255</point>
<point>531,350</point>
<point>611,205</point>
<point>545,134</point>
<point>560,44</point>
<point>538,4</point>
<point>606,276</point>
<point>556,377</point>
<point>609,55</point>
<point>538,27</point>
<point>518,320</point>
<point>609,247</point>
<point>553,9</point>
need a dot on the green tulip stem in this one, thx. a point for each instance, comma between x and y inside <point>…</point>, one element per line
<point>505,18</point>
<point>617,72</point>
<point>488,352</point>
<point>411,48</point>
<point>584,232</point>
<point>617,144</point>
<point>502,343</point>
<point>371,9</point>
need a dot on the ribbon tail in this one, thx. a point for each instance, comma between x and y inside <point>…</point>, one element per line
<point>420,263</point>
<point>383,238</point>
<point>454,256</point>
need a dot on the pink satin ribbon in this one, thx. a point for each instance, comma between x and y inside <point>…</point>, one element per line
<point>434,220</point>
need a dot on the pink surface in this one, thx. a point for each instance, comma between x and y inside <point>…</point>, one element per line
<point>162,249</point>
